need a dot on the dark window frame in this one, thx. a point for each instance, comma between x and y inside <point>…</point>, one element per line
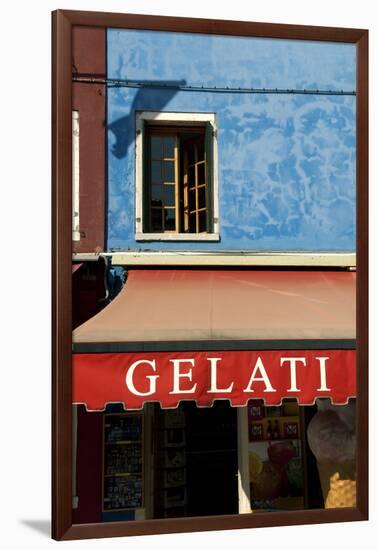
<point>62,23</point>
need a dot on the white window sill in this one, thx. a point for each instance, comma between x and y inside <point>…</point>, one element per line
<point>177,237</point>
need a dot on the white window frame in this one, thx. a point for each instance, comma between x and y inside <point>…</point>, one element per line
<point>166,119</point>
<point>75,176</point>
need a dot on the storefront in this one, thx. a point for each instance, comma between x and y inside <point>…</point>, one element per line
<point>198,387</point>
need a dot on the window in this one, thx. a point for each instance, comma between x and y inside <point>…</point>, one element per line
<point>75,176</point>
<point>176,177</point>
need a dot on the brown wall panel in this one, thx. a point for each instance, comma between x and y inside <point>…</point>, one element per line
<point>89,100</point>
<point>89,467</point>
<point>88,49</point>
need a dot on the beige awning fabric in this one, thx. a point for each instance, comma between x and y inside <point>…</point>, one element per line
<point>167,305</point>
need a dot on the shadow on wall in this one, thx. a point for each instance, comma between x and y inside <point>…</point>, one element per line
<point>151,95</point>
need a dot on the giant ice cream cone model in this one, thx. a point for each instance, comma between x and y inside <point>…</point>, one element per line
<point>331,437</point>
<point>342,493</point>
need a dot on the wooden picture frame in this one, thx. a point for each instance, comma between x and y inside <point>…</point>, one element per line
<point>62,23</point>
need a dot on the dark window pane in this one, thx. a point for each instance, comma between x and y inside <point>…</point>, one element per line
<point>202,221</point>
<point>192,200</point>
<point>191,177</point>
<point>192,223</point>
<point>191,157</point>
<point>202,197</point>
<point>169,195</point>
<point>169,219</point>
<point>201,173</point>
<point>156,192</point>
<point>201,150</point>
<point>156,147</point>
<point>156,219</point>
<point>169,147</point>
<point>169,171</point>
<point>156,195</point>
<point>156,175</point>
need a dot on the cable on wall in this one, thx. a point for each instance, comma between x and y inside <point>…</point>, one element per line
<point>182,87</point>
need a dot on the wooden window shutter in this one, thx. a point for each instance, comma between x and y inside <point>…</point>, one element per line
<point>145,179</point>
<point>209,176</point>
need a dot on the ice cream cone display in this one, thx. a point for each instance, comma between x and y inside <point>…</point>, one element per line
<point>329,469</point>
<point>342,493</point>
<point>332,439</point>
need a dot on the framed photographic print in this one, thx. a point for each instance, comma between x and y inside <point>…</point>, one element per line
<point>209,274</point>
<point>174,437</point>
<point>256,409</point>
<point>174,458</point>
<point>174,497</point>
<point>173,418</point>
<point>174,477</point>
<point>290,429</point>
<point>256,431</point>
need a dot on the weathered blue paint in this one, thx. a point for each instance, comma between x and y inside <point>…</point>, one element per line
<point>286,162</point>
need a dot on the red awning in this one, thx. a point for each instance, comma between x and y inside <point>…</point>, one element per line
<point>229,334</point>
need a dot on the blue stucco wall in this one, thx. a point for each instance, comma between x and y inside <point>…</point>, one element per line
<point>286,162</point>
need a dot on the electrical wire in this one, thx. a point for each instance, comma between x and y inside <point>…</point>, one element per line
<point>120,83</point>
